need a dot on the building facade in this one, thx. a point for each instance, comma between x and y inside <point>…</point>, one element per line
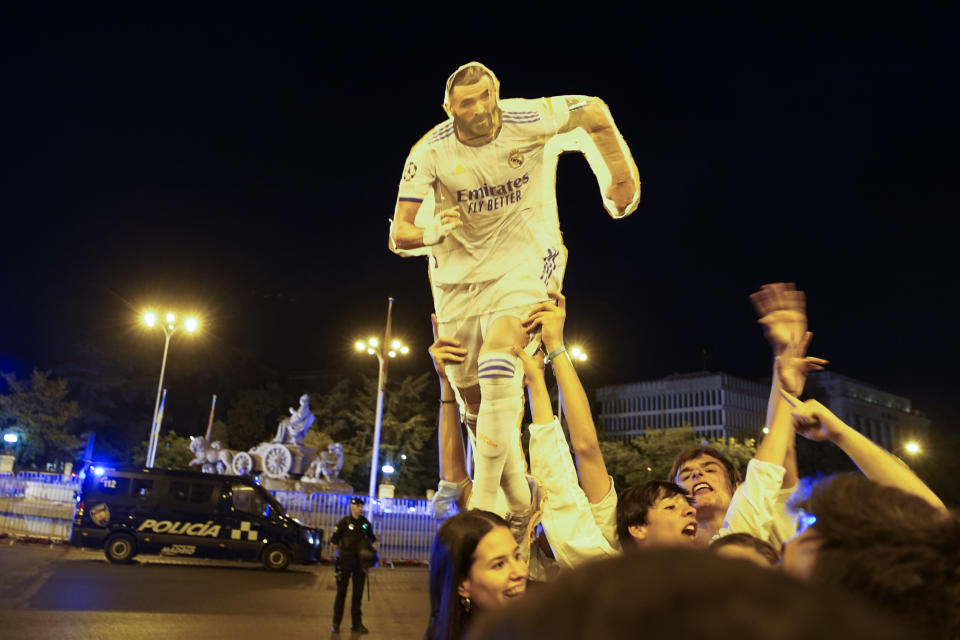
<point>719,405</point>
<point>886,418</point>
<point>715,405</point>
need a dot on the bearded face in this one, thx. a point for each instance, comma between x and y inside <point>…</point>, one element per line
<point>476,114</point>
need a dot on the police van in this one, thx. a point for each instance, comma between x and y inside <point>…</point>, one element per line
<point>131,511</point>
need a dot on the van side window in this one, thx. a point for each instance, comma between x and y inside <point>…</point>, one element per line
<point>201,493</point>
<point>179,490</point>
<point>141,488</point>
<point>247,500</point>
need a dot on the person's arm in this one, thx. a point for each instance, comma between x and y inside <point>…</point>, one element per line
<point>407,235</point>
<point>541,409</point>
<point>814,421</point>
<point>452,454</point>
<point>782,311</point>
<point>593,116</point>
<point>594,479</point>
<point>453,457</point>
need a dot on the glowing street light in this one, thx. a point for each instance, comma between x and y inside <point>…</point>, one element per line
<point>912,448</point>
<point>575,353</point>
<point>390,348</point>
<point>190,325</point>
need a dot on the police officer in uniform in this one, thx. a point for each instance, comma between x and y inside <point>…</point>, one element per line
<point>352,534</point>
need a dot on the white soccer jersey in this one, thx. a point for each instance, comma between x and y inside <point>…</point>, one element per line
<point>503,189</point>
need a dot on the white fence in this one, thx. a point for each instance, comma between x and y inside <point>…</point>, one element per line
<point>404,528</point>
<point>41,505</point>
<point>37,505</point>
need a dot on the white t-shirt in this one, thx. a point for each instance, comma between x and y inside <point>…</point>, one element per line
<point>504,190</point>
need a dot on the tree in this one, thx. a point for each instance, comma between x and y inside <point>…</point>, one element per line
<point>254,415</point>
<point>346,414</point>
<point>650,456</point>
<point>173,452</point>
<point>46,420</point>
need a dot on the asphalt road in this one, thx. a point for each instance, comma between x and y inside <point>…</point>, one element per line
<point>62,593</point>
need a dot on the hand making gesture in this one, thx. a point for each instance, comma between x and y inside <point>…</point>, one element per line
<point>782,311</point>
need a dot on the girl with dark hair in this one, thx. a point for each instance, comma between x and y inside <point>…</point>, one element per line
<point>475,565</point>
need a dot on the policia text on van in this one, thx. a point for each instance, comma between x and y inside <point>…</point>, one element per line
<point>130,511</point>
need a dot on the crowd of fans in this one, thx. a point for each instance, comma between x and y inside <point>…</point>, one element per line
<point>879,556</point>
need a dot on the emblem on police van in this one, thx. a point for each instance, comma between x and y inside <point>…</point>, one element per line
<point>409,172</point>
<point>243,531</point>
<point>515,159</point>
<point>100,514</point>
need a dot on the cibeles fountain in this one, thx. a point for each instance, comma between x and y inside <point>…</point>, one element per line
<point>284,463</point>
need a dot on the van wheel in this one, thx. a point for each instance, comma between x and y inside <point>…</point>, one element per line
<point>120,548</point>
<point>276,557</point>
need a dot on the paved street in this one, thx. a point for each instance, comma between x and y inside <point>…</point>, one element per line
<point>63,593</point>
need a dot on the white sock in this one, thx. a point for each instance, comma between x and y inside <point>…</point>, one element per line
<point>500,407</point>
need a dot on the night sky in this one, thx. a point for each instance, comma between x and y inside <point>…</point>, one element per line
<point>245,164</point>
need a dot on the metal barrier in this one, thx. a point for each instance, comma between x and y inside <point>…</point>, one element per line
<point>404,528</point>
<point>37,505</point>
<point>42,506</point>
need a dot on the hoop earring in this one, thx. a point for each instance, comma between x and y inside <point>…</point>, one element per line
<point>465,603</point>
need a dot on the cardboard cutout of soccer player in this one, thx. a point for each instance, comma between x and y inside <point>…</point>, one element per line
<point>477,196</point>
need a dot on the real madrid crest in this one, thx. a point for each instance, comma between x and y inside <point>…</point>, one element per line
<point>409,171</point>
<point>515,159</point>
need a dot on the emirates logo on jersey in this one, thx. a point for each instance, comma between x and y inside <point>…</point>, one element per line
<point>409,172</point>
<point>515,159</point>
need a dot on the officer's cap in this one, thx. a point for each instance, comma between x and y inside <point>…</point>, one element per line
<point>356,500</point>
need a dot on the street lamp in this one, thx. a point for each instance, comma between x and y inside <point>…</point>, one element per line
<point>169,326</point>
<point>575,353</point>
<point>389,348</point>
<point>912,448</point>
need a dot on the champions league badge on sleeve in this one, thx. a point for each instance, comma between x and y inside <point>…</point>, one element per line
<point>409,172</point>
<point>100,514</point>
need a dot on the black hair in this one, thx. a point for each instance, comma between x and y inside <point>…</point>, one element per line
<point>891,547</point>
<point>634,503</point>
<point>762,547</point>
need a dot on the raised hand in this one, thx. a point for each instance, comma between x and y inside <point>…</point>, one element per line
<point>444,351</point>
<point>783,314</point>
<point>782,310</point>
<point>532,366</point>
<point>549,318</point>
<point>812,420</point>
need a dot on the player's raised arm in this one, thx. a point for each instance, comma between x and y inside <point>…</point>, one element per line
<point>593,116</point>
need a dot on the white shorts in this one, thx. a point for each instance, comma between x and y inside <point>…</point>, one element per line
<point>465,311</point>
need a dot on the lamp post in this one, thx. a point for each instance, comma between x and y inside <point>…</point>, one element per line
<point>388,348</point>
<point>169,327</point>
<point>575,353</point>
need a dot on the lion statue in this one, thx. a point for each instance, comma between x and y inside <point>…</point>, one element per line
<point>212,455</point>
<point>293,429</point>
<point>327,467</point>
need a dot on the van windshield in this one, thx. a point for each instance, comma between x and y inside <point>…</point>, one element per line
<point>255,500</point>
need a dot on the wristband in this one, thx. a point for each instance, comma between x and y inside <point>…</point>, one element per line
<point>447,401</point>
<point>553,354</point>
